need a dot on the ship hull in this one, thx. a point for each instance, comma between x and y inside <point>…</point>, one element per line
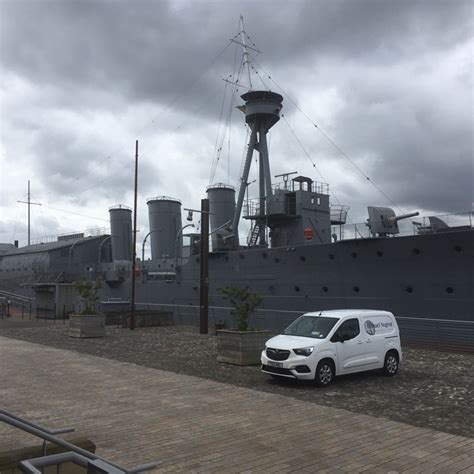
<point>427,278</point>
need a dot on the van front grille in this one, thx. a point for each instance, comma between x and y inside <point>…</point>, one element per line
<point>277,354</point>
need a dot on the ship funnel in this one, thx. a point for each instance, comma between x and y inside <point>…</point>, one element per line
<point>121,232</point>
<point>222,204</point>
<point>164,215</point>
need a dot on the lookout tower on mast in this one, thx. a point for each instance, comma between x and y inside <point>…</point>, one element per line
<point>262,111</point>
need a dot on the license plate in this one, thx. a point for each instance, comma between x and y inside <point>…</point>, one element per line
<point>275,364</point>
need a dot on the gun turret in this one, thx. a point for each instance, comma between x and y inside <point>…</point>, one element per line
<point>383,221</point>
<point>394,219</point>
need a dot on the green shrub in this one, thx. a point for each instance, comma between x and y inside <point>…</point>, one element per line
<point>88,292</point>
<point>244,303</point>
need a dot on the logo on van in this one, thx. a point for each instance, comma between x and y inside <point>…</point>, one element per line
<point>370,327</point>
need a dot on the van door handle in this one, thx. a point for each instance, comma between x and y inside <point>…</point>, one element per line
<point>359,342</point>
<point>368,340</point>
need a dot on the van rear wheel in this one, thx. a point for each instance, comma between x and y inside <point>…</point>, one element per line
<point>390,366</point>
<point>324,373</point>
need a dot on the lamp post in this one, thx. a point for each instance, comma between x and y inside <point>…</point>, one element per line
<point>100,251</point>
<point>204,267</point>
<point>144,242</point>
<point>177,240</point>
<point>134,245</point>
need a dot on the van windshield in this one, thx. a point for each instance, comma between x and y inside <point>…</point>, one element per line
<point>311,326</point>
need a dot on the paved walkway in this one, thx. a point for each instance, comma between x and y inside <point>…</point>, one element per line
<point>136,414</point>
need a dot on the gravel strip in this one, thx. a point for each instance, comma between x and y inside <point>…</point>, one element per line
<point>432,389</point>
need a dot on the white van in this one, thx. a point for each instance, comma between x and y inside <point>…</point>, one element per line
<point>322,344</point>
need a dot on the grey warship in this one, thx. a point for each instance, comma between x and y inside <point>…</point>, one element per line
<point>299,260</point>
<point>300,255</point>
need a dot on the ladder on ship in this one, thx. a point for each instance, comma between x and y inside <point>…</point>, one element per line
<point>254,235</point>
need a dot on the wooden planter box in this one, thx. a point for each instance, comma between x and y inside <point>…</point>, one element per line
<point>240,347</point>
<point>86,325</point>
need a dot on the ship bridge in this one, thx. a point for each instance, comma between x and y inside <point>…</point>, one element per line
<point>297,212</point>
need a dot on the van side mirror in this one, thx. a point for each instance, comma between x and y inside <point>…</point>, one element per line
<point>336,337</point>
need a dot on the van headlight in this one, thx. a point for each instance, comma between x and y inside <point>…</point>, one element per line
<point>305,351</point>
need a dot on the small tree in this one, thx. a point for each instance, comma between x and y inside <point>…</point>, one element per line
<point>244,303</point>
<point>88,292</point>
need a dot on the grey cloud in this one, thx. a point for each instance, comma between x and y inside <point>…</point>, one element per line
<point>125,62</point>
<point>151,50</point>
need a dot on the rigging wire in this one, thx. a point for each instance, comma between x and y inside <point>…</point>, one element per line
<point>330,141</point>
<point>75,213</point>
<point>228,145</point>
<point>42,219</point>
<point>218,132</point>
<point>333,194</point>
<point>302,147</point>
<point>228,121</point>
<point>188,88</point>
<point>260,77</point>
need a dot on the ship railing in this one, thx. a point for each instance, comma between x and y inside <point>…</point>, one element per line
<point>218,315</point>
<point>92,232</point>
<point>338,214</point>
<point>415,226</point>
<point>292,186</point>
<point>451,334</point>
<point>251,208</point>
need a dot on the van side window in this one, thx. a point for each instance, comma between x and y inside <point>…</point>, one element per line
<point>349,329</point>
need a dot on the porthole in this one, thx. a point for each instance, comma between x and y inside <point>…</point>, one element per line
<point>277,260</point>
<point>416,251</point>
<point>303,258</point>
<point>331,256</point>
<point>450,290</point>
<point>356,289</point>
<point>409,289</point>
<point>379,253</point>
<point>457,248</point>
<point>325,289</point>
<point>297,288</point>
<point>354,254</point>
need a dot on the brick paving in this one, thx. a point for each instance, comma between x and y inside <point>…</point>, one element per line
<point>433,389</point>
<point>138,414</point>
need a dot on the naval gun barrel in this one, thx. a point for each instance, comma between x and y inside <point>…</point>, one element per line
<point>392,220</point>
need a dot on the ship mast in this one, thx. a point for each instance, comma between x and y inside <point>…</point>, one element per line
<point>246,53</point>
<point>29,203</point>
<point>262,111</point>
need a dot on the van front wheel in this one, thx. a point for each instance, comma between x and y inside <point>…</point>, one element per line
<point>390,366</point>
<point>324,373</point>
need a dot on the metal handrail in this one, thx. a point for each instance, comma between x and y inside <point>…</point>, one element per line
<point>48,435</point>
<point>25,299</point>
<point>31,465</point>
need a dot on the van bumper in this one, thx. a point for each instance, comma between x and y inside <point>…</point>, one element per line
<point>292,369</point>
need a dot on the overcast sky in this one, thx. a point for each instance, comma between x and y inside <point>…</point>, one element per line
<point>390,82</point>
